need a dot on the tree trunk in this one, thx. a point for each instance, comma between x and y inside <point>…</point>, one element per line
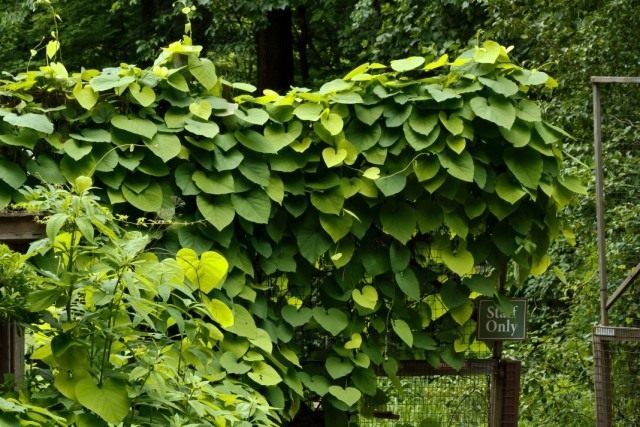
<point>275,52</point>
<point>303,42</point>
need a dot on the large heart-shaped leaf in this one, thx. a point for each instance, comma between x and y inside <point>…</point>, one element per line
<point>109,401</point>
<point>332,320</point>
<point>495,109</point>
<point>366,298</point>
<point>349,396</point>
<point>254,206</point>
<point>264,374</point>
<point>337,367</point>
<point>295,317</point>
<point>135,125</point>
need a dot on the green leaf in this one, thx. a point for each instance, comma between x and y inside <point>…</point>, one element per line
<point>398,220</point>
<point>402,329</point>
<point>312,243</point>
<point>218,183</point>
<point>137,126</point>
<point>219,312</point>
<point>418,141</point>
<point>109,401</point>
<point>441,94</point>
<point>264,374</point>
<point>336,226</point>
<point>230,364</point>
<point>255,171</point>
<point>349,395</point>
<point>45,168</point>
<point>362,136</point>
<point>308,111</point>
<point>481,285</point>
<point>148,200</point>
<point>317,383</point>
<point>399,257</point>
<point>495,109</point>
<point>11,174</point>
<point>254,116</point>
<point>243,325</point>
<point>368,115</point>
<point>508,190</point>
<point>336,85</point>
<point>408,283</point>
<point>204,71</point>
<point>205,273</point>
<point>332,320</point>
<point>76,150</point>
<point>26,138</point>
<point>519,134</point>
<point>422,122</point>
<point>295,317</point>
<point>391,184</point>
<point>333,157</point>
<point>225,161</point>
<point>164,145</point>
<point>254,206</point>
<point>85,96</point>
<point>407,64</point>
<point>275,189</point>
<point>329,201</point>
<point>37,122</point>
<point>526,165</point>
<point>279,138</point>
<point>206,129</point>
<point>366,298</point>
<point>453,359</point>
<point>460,262</point>
<point>201,109</point>
<point>458,165</point>
<point>426,168</point>
<point>453,295</point>
<point>462,313</point>
<point>529,111</point>
<point>332,123</point>
<point>144,95</point>
<point>218,211</point>
<point>337,367</point>
<point>257,142</point>
<point>453,123</point>
<point>488,53</point>
<point>502,85</point>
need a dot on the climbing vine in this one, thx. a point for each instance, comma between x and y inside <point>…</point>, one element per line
<point>360,220</point>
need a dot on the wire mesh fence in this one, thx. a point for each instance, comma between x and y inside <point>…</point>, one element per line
<point>439,397</point>
<point>617,376</point>
<point>432,401</point>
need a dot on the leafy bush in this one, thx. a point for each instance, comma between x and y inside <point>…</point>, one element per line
<point>125,337</point>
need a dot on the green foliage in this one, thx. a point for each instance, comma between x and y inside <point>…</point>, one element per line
<point>346,215</point>
<point>16,281</point>
<point>125,338</point>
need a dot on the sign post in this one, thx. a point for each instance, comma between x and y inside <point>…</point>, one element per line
<point>495,325</point>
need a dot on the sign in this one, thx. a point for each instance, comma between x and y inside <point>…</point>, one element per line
<point>495,325</point>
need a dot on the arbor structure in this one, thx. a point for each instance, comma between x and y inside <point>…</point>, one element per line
<point>360,221</point>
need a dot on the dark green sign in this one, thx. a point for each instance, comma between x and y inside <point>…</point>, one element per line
<point>495,325</point>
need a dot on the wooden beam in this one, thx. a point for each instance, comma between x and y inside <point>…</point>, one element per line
<point>615,79</point>
<point>624,285</point>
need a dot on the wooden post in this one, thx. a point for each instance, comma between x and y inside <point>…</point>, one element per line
<point>602,375</point>
<point>17,229</point>
<point>11,353</point>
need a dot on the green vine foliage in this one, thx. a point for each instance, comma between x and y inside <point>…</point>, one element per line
<point>360,220</point>
<point>123,337</point>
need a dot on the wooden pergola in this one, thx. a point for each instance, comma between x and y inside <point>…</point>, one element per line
<point>17,230</point>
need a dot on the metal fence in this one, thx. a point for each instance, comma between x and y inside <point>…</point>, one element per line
<point>616,349</point>
<point>484,392</point>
